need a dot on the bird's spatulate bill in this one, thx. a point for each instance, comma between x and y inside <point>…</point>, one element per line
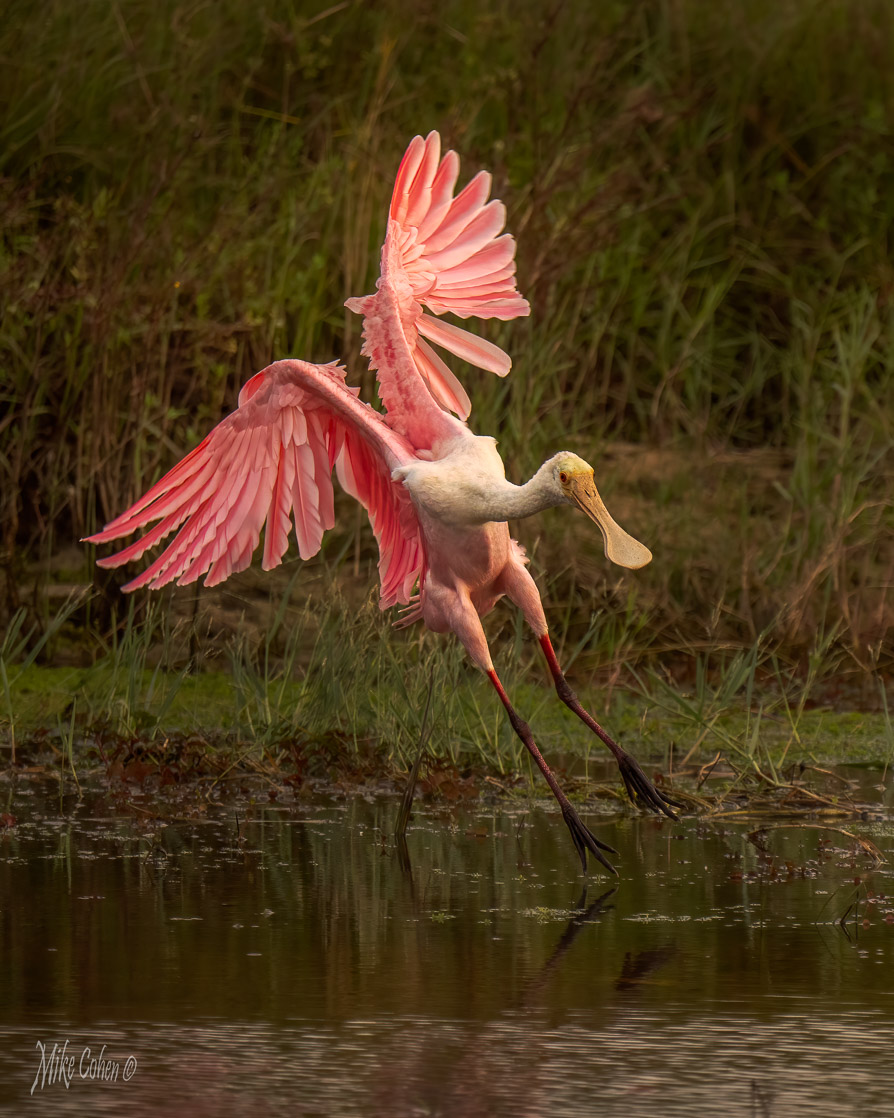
<point>620,546</point>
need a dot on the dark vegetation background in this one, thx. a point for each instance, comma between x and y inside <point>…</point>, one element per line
<point>702,193</point>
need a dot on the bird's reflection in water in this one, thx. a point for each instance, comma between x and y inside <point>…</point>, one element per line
<point>497,1068</point>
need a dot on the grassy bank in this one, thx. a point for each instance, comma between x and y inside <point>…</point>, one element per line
<point>702,194</point>
<point>332,693</point>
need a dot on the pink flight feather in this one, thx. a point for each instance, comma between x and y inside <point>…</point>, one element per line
<point>444,253</point>
<point>270,463</point>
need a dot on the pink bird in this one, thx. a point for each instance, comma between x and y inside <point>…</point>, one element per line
<point>436,494</point>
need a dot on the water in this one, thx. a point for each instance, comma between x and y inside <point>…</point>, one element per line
<point>261,958</point>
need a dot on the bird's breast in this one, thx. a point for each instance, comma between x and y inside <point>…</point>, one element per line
<point>458,488</point>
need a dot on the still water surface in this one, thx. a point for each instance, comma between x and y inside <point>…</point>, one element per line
<point>259,959</point>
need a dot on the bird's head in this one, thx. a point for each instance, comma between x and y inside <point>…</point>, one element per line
<point>572,478</point>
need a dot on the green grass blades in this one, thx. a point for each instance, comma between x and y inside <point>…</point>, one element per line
<point>702,195</point>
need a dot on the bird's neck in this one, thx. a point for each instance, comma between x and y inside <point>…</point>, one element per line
<point>514,502</point>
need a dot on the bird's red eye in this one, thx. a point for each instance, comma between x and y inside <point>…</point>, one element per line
<point>563,477</point>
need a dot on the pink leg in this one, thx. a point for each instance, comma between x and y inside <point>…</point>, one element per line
<point>639,788</point>
<point>581,835</point>
<point>451,609</point>
<point>522,590</point>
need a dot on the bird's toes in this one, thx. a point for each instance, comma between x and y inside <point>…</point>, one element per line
<point>584,840</point>
<point>642,791</point>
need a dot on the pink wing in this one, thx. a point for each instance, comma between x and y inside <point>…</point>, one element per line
<point>272,458</point>
<point>444,253</point>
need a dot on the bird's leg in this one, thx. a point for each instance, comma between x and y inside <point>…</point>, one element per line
<point>581,835</point>
<point>521,589</point>
<point>640,789</point>
<point>448,608</point>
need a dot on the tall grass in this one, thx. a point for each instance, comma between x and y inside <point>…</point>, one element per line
<point>702,192</point>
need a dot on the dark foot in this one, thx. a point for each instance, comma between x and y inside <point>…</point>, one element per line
<point>642,791</point>
<point>585,840</point>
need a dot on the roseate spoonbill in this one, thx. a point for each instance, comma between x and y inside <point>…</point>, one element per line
<point>436,494</point>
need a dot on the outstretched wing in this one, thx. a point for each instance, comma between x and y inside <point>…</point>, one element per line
<point>443,252</point>
<point>268,464</point>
